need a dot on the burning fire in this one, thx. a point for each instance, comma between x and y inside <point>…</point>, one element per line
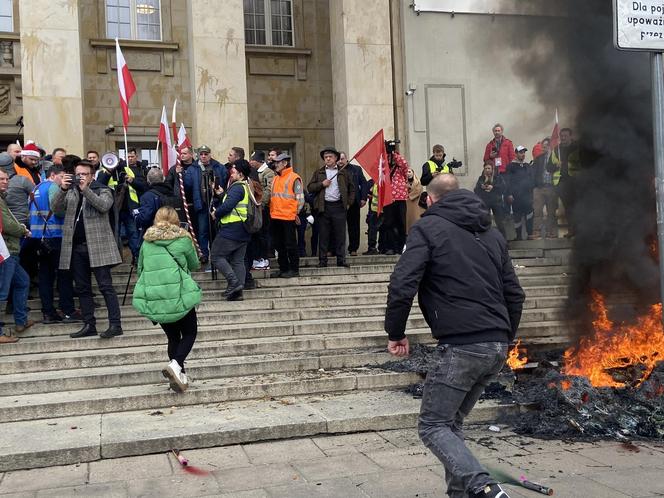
<point>513,360</point>
<point>615,347</point>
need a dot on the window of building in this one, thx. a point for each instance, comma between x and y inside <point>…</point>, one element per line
<point>6,15</point>
<point>133,19</point>
<point>268,22</point>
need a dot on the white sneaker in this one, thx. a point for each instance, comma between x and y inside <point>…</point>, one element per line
<point>266,264</point>
<point>173,372</point>
<point>183,378</point>
<point>257,264</point>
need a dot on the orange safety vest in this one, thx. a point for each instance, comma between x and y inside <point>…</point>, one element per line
<point>283,201</point>
<point>23,172</point>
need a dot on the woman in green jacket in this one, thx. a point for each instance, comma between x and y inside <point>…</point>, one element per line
<point>166,293</point>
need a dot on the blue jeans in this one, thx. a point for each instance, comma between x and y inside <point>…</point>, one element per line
<point>456,378</point>
<point>12,275</point>
<point>131,232</point>
<point>203,231</point>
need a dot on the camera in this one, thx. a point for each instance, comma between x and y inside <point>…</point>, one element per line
<point>109,129</point>
<point>391,145</point>
<point>122,177</point>
<point>454,164</point>
<point>77,179</point>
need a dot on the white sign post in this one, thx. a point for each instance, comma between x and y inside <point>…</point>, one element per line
<point>639,25</point>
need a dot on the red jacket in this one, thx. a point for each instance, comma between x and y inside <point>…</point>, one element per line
<point>505,154</point>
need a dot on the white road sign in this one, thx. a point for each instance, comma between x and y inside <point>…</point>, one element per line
<point>639,25</point>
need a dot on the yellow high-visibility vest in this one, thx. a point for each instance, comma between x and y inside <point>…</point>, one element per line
<point>240,211</point>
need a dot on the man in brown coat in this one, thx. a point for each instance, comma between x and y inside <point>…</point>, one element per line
<point>88,244</point>
<point>335,193</point>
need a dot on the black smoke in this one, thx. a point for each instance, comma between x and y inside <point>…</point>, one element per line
<point>614,213</point>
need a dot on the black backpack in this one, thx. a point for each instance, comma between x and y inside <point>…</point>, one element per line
<point>174,201</point>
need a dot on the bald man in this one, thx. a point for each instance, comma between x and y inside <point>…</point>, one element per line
<point>471,299</point>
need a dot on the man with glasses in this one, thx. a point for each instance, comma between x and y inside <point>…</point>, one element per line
<point>88,244</point>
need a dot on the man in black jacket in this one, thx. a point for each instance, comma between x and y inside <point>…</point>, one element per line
<point>472,301</point>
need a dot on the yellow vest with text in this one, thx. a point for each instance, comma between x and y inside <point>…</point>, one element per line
<point>132,192</point>
<point>240,211</point>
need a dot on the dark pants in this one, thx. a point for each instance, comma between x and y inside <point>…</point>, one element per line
<point>372,229</point>
<point>131,232</point>
<point>49,259</point>
<point>393,228</point>
<point>353,222</point>
<point>301,235</point>
<point>228,256</point>
<point>523,209</point>
<point>284,239</point>
<point>80,267</point>
<point>202,229</point>
<point>28,256</point>
<point>332,226</point>
<point>457,376</point>
<point>264,239</point>
<point>567,194</point>
<point>181,336</point>
<point>498,211</point>
<point>252,253</point>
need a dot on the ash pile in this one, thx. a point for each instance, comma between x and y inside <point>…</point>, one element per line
<point>554,405</point>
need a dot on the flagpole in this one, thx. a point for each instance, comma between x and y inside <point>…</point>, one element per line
<point>126,147</point>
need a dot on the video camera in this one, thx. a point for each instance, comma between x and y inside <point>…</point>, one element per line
<point>391,145</point>
<point>454,164</point>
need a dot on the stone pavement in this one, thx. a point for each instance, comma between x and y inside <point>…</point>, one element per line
<point>371,464</point>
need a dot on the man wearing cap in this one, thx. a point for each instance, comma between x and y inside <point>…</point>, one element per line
<point>334,192</point>
<point>213,174</point>
<point>520,179</point>
<point>286,201</point>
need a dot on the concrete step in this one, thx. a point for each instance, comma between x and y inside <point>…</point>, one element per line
<point>61,441</point>
<point>545,244</point>
<point>198,369</point>
<point>311,321</point>
<point>216,390</point>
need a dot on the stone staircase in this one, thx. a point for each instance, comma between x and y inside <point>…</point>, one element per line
<point>297,357</point>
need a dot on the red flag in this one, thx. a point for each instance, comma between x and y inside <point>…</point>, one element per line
<point>168,155</point>
<point>183,138</point>
<point>555,134</point>
<point>373,158</point>
<point>175,126</point>
<point>125,83</point>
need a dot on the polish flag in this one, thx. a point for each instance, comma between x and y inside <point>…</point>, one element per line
<point>555,135</point>
<point>174,124</point>
<point>125,83</point>
<point>373,158</point>
<point>183,138</point>
<point>169,156</point>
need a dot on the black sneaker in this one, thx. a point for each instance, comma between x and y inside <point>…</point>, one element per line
<point>86,330</point>
<point>54,318</point>
<point>370,252</point>
<point>291,274</point>
<point>490,491</point>
<point>277,274</point>
<point>322,264</point>
<point>236,296</point>
<point>112,331</point>
<point>343,264</point>
<point>250,284</point>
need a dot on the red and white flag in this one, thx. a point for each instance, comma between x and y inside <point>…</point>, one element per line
<point>183,138</point>
<point>125,83</point>
<point>373,158</point>
<point>169,156</point>
<point>555,135</point>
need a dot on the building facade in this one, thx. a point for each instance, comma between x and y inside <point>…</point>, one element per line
<point>298,74</point>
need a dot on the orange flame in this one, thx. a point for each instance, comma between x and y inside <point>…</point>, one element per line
<point>619,346</point>
<point>513,360</point>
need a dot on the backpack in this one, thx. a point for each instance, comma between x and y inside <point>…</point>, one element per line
<point>254,221</point>
<point>174,201</point>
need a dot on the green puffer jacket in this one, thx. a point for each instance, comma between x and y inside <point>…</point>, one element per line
<point>165,291</point>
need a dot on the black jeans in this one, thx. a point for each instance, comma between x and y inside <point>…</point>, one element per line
<point>49,260</point>
<point>284,239</point>
<point>264,239</point>
<point>181,336</point>
<point>80,266</point>
<point>372,229</point>
<point>456,378</point>
<point>523,208</point>
<point>332,223</point>
<point>353,222</point>
<point>393,228</point>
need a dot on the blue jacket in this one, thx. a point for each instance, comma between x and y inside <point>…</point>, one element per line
<point>361,184</point>
<point>192,185</point>
<point>150,203</point>
<point>41,224</point>
<point>219,170</point>
<point>232,231</point>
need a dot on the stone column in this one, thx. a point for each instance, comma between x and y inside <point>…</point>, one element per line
<point>361,71</point>
<point>218,69</point>
<point>51,74</point>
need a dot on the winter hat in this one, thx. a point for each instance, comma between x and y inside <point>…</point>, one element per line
<point>31,150</point>
<point>242,166</point>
